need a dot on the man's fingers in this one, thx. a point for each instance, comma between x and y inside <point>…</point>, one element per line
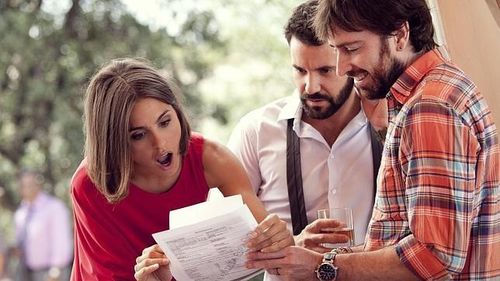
<point>268,227</point>
<point>331,238</point>
<point>275,235</point>
<point>320,225</point>
<point>276,246</point>
<point>264,263</point>
<point>263,255</point>
<point>269,231</point>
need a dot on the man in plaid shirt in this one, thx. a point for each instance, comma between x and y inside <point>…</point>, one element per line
<point>437,211</point>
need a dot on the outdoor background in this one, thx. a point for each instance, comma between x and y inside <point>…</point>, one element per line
<point>229,56</point>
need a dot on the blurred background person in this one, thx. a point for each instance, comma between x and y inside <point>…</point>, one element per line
<point>43,233</point>
<point>3,250</point>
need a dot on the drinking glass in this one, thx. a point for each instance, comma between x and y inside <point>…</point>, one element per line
<point>344,216</point>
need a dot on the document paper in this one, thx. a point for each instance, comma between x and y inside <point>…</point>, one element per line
<point>212,248</point>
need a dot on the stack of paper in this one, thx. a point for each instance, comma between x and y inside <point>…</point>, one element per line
<point>207,241</point>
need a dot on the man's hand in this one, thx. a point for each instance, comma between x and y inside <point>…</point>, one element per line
<point>291,263</point>
<point>270,235</point>
<point>316,233</point>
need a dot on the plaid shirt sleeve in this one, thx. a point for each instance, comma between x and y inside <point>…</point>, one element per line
<point>438,161</point>
<point>439,191</point>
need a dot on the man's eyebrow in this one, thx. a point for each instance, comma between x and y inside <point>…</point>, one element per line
<point>327,67</point>
<point>345,43</point>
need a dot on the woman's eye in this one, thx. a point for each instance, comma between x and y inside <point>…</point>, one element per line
<point>137,136</point>
<point>164,123</point>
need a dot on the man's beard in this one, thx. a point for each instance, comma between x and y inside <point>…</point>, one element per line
<point>317,112</point>
<point>382,79</point>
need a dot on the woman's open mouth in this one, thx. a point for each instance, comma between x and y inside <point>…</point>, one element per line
<point>165,159</point>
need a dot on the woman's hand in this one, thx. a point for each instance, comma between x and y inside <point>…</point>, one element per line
<point>270,235</point>
<point>152,265</point>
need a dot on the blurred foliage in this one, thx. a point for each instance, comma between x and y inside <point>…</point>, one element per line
<point>45,63</point>
<point>256,68</point>
<point>229,56</point>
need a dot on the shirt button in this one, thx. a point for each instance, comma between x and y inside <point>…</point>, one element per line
<point>334,191</point>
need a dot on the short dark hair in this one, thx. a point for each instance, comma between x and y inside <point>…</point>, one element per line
<point>382,17</point>
<point>299,24</point>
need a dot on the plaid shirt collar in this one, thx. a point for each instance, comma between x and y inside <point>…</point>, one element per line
<point>411,77</point>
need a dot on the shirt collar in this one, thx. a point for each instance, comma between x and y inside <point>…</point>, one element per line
<point>39,200</point>
<point>406,83</point>
<point>292,108</point>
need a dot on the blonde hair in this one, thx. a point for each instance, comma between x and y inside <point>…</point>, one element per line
<point>109,100</point>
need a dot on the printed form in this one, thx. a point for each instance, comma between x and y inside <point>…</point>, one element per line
<point>207,241</point>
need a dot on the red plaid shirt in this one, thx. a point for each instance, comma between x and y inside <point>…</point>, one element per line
<point>439,183</point>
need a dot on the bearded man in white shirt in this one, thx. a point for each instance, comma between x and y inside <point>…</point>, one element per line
<point>339,149</point>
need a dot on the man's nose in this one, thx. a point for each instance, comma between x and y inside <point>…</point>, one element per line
<point>313,84</point>
<point>343,64</point>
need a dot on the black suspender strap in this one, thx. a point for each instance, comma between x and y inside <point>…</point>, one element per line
<point>294,174</point>
<point>377,148</point>
<point>294,180</point>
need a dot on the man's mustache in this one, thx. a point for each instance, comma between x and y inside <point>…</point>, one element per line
<point>315,96</point>
<point>355,72</point>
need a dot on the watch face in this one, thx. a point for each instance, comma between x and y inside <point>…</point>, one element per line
<point>326,272</point>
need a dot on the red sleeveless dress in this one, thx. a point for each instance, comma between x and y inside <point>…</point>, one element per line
<point>109,237</point>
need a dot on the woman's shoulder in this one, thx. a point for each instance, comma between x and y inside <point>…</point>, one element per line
<point>81,174</point>
<point>80,182</point>
<point>212,148</point>
<point>205,145</point>
<point>196,140</point>
<point>198,144</point>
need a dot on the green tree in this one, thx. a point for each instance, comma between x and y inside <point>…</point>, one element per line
<point>229,57</point>
<point>46,60</point>
<point>257,66</point>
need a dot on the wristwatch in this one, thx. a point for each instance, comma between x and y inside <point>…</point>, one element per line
<point>326,271</point>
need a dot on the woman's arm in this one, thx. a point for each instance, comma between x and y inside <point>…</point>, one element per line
<point>223,170</point>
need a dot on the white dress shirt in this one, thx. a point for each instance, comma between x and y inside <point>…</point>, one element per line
<point>45,232</point>
<point>336,176</point>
